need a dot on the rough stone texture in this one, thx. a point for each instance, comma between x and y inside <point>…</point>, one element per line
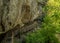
<point>19,16</point>
<point>15,12</point>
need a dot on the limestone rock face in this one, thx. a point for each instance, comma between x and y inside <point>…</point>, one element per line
<point>19,16</point>
<point>15,12</point>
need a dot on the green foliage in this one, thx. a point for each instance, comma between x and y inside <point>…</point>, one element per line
<point>46,34</point>
<point>50,26</point>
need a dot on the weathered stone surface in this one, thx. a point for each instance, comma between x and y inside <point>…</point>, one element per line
<point>19,16</point>
<point>15,12</point>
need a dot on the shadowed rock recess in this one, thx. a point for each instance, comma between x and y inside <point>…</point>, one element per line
<point>18,17</point>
